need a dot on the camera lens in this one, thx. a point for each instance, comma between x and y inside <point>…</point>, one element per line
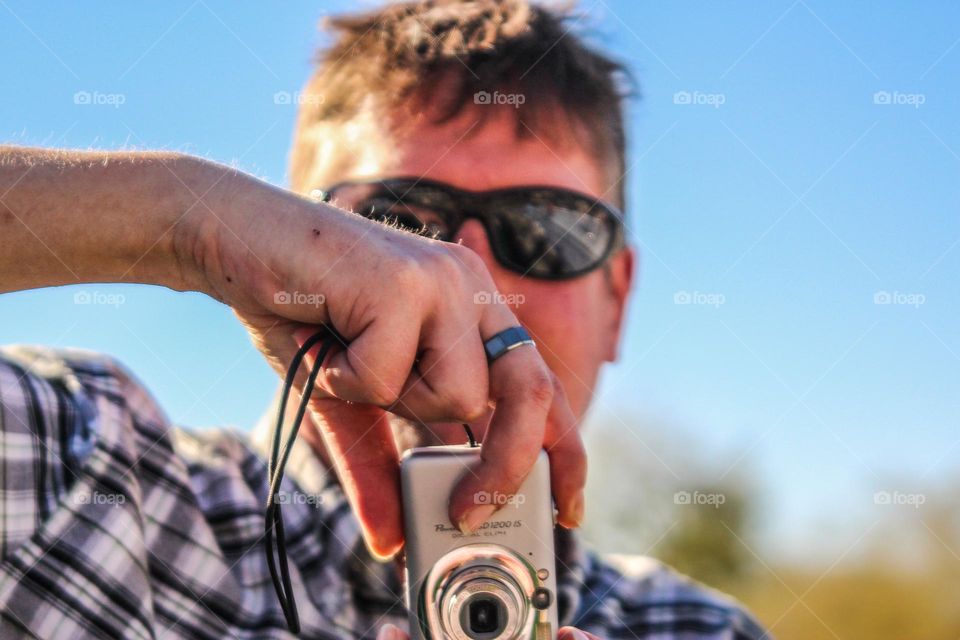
<point>480,592</point>
<point>485,616</point>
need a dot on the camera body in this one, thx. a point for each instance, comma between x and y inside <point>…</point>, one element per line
<point>497,583</point>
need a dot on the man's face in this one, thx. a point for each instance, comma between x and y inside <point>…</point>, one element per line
<point>576,323</point>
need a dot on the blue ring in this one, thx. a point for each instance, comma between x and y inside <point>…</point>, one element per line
<point>507,340</point>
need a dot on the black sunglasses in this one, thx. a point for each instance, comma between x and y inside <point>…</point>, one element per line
<point>538,231</point>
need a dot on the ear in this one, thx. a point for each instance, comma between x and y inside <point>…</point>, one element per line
<point>619,277</point>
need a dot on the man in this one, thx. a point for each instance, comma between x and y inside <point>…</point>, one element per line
<point>484,124</point>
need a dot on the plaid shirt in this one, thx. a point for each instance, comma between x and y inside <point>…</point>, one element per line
<point>113,524</point>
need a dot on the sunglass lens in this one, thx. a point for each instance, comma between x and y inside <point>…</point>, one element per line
<point>550,241</point>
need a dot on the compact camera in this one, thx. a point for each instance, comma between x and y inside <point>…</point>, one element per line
<point>497,583</point>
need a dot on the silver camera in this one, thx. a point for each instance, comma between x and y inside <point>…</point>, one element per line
<point>497,583</point>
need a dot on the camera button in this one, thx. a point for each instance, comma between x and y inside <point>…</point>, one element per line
<point>541,599</point>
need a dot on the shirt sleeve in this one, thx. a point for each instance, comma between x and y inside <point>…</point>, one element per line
<point>47,428</point>
<point>639,597</point>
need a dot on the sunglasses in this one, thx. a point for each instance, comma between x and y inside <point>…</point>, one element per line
<point>541,232</point>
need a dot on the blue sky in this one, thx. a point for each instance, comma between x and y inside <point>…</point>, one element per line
<point>793,164</point>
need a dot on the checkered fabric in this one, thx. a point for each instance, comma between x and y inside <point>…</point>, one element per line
<point>113,524</point>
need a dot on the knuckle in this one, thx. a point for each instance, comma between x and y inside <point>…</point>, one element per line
<point>469,260</point>
<point>407,273</point>
<point>444,264</point>
<point>469,405</point>
<point>465,402</point>
<point>472,274</point>
<point>442,270</point>
<point>539,388</point>
<point>531,385</point>
<point>381,393</point>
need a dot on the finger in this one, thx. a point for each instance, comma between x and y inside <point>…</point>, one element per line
<point>522,390</point>
<point>390,632</point>
<point>300,337</point>
<point>449,383</point>
<point>365,458</point>
<point>569,633</point>
<point>568,459</point>
<point>374,366</point>
<point>360,442</point>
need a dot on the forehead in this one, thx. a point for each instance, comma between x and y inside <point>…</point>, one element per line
<point>478,154</point>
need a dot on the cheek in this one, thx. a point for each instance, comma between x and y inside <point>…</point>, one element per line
<point>567,322</point>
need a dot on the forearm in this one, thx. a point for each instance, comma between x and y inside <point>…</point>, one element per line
<point>69,217</point>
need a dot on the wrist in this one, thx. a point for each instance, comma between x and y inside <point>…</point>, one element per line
<point>237,235</point>
<point>201,206</point>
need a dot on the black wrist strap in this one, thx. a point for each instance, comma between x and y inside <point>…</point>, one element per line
<point>279,566</point>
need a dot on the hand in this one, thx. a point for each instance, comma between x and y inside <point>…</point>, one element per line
<point>286,265</point>
<point>390,632</point>
<point>407,306</point>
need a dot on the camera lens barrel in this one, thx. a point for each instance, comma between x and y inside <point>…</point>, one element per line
<point>483,592</point>
<point>483,603</point>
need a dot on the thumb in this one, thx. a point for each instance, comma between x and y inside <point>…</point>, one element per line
<point>569,633</point>
<point>390,632</point>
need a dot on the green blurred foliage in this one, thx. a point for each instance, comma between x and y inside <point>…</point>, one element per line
<point>707,542</point>
<point>863,601</point>
<point>900,582</point>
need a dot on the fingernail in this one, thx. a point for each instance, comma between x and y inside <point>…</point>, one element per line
<point>382,556</point>
<point>475,517</point>
<point>390,632</point>
<point>578,635</point>
<point>576,509</point>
